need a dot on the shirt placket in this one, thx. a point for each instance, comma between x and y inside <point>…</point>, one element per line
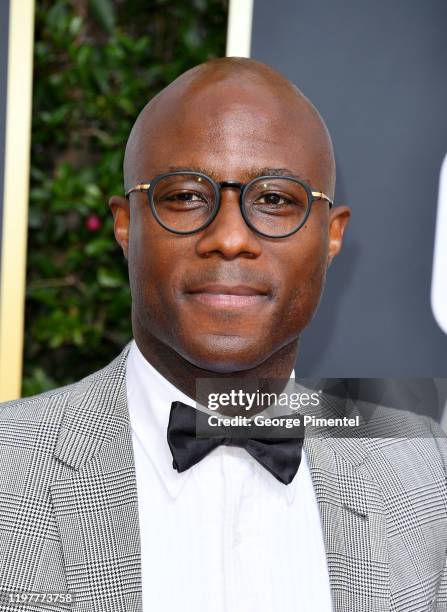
<point>235,473</point>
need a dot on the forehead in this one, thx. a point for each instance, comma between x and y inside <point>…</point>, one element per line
<point>229,130</point>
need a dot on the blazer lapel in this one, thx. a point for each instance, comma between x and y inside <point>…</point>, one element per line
<point>96,505</point>
<point>353,520</point>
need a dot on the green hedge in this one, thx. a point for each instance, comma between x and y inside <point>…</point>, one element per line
<point>96,65</point>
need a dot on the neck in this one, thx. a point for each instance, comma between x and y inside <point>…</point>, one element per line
<point>183,374</point>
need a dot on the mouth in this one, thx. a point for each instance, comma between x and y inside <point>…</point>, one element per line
<point>229,296</point>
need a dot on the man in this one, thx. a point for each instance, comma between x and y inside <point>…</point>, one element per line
<point>103,495</point>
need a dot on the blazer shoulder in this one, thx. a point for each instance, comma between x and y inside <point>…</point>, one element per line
<point>34,408</point>
<point>49,406</point>
<point>407,440</point>
<point>440,439</point>
<point>27,411</point>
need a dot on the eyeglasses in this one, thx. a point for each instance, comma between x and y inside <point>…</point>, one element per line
<point>274,206</point>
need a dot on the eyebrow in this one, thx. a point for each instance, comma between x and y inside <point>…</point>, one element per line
<point>252,173</point>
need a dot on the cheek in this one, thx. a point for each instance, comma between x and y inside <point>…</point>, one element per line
<point>156,264</point>
<point>149,257</point>
<point>304,282</point>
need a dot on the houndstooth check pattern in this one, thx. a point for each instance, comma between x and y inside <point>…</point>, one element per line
<point>69,513</point>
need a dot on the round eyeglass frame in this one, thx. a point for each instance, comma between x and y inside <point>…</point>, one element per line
<point>148,188</point>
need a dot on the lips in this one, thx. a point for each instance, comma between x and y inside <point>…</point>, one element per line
<point>229,296</point>
<point>220,289</point>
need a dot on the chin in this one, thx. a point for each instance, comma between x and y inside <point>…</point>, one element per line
<point>225,354</point>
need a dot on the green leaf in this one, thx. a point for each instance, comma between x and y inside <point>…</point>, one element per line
<point>104,12</point>
<point>75,25</point>
<point>108,278</point>
<point>99,246</point>
<point>35,217</point>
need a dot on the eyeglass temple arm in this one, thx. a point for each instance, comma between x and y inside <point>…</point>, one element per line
<point>319,195</point>
<point>141,187</point>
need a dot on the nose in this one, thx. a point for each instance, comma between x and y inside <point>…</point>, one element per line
<point>228,234</point>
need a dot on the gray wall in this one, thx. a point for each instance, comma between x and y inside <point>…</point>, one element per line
<point>4,20</point>
<point>377,73</point>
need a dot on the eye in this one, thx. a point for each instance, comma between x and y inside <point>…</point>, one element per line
<point>277,201</point>
<point>185,196</point>
<point>182,201</point>
<point>273,198</point>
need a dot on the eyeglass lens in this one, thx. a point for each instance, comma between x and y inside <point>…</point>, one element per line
<point>274,206</point>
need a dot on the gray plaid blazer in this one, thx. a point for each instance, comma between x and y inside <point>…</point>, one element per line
<point>69,516</point>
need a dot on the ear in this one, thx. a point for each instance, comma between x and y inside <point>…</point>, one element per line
<point>121,215</point>
<point>338,220</point>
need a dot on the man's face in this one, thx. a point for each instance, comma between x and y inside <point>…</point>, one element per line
<point>229,135</point>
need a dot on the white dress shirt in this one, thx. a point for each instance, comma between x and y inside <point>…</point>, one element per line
<point>225,535</point>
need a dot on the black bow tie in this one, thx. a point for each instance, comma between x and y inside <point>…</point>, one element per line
<point>280,456</point>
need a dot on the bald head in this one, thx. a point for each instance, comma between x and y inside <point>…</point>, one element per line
<point>223,95</point>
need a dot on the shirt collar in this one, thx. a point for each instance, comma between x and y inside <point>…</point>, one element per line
<point>149,396</point>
